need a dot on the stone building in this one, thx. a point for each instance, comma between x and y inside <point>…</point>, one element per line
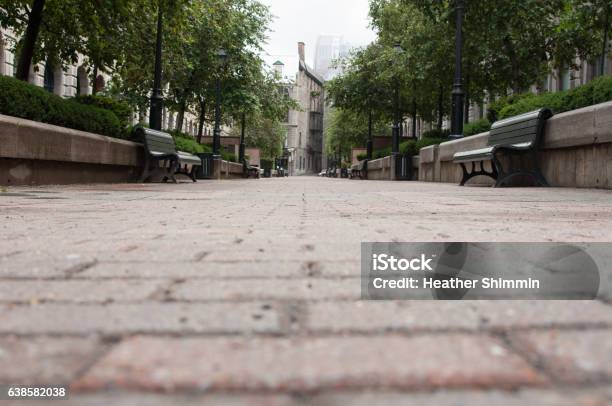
<point>304,145</point>
<point>74,79</point>
<point>556,81</point>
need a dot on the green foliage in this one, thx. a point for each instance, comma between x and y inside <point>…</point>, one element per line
<point>412,147</point>
<point>348,129</point>
<point>228,156</point>
<point>185,142</point>
<point>476,127</point>
<point>362,156</point>
<point>20,99</point>
<point>496,106</point>
<point>381,153</point>
<point>266,163</point>
<point>597,91</point>
<point>121,109</point>
<point>435,133</point>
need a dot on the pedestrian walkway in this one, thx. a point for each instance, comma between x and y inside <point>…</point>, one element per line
<point>248,292</point>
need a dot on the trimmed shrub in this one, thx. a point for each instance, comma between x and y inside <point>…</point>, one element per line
<point>435,133</point>
<point>476,127</point>
<point>121,109</point>
<point>229,156</point>
<point>185,142</point>
<point>381,153</point>
<point>362,156</point>
<point>496,106</point>
<point>412,147</point>
<point>23,100</point>
<point>594,92</point>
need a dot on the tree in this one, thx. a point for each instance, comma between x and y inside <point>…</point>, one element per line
<point>58,30</point>
<point>349,129</point>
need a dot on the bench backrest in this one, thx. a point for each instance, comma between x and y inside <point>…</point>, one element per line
<point>524,128</point>
<point>156,141</point>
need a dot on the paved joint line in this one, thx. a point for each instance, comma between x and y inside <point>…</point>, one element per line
<point>79,268</point>
<point>533,360</point>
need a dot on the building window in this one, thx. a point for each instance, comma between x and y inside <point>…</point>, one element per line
<point>49,78</point>
<point>100,83</point>
<point>82,82</point>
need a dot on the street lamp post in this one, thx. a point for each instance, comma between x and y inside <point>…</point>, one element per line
<point>221,57</point>
<point>370,144</point>
<point>157,100</point>
<point>395,140</point>
<point>458,94</point>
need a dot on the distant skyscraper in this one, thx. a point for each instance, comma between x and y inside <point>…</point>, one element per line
<point>329,48</point>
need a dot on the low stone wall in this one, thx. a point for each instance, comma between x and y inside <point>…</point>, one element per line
<point>227,170</point>
<point>576,151</point>
<point>384,168</point>
<point>33,153</point>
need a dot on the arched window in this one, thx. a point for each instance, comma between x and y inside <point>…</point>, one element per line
<point>49,78</point>
<point>100,83</point>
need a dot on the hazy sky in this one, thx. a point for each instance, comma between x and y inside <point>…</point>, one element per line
<point>305,20</point>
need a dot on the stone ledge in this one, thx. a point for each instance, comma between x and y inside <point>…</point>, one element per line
<point>26,139</point>
<point>582,127</point>
<point>428,154</point>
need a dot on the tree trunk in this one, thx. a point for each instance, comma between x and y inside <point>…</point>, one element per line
<point>180,116</point>
<point>94,81</point>
<point>440,109</point>
<point>202,119</point>
<point>513,64</point>
<point>29,40</point>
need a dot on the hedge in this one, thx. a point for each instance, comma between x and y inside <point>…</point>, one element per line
<point>24,100</point>
<point>476,127</point>
<point>121,109</point>
<point>594,92</point>
<point>412,147</point>
<point>185,142</point>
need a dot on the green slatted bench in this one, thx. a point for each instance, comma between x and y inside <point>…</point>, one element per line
<point>516,136</point>
<point>160,146</point>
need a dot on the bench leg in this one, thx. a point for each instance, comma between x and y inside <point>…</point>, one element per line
<point>171,172</point>
<point>505,176</point>
<point>192,173</point>
<point>146,169</point>
<point>467,175</point>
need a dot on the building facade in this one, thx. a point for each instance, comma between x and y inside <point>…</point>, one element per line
<point>329,49</point>
<point>74,79</point>
<point>304,144</point>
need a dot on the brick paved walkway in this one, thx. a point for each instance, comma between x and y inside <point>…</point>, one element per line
<point>247,292</point>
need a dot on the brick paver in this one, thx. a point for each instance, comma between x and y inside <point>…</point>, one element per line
<point>163,294</point>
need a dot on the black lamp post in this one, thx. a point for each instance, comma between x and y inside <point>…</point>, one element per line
<point>241,149</point>
<point>395,139</point>
<point>458,94</point>
<point>370,144</point>
<point>222,58</point>
<point>157,100</point>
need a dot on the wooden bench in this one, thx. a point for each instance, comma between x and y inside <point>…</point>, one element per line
<point>361,171</point>
<point>160,146</point>
<point>518,136</point>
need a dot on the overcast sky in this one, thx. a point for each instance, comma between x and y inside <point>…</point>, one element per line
<point>305,20</point>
